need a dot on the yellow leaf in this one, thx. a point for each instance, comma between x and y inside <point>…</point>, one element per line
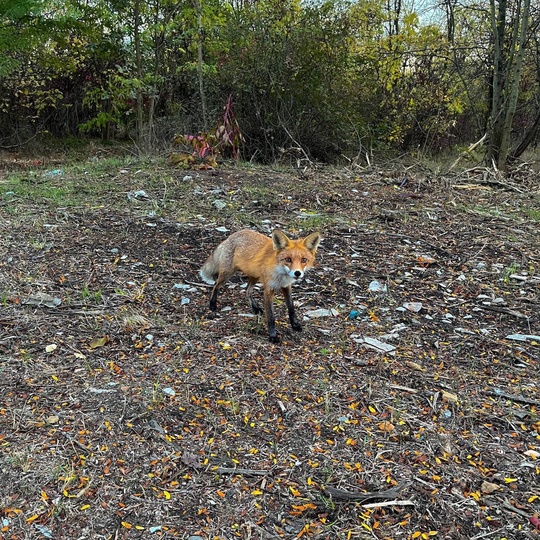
<point>295,492</point>
<point>31,518</point>
<point>85,507</point>
<point>256,492</point>
<point>99,342</point>
<point>510,480</point>
<point>126,524</point>
<point>166,494</point>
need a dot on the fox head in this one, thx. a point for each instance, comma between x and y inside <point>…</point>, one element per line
<point>295,256</point>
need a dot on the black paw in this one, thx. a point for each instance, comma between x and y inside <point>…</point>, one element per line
<point>274,339</point>
<point>256,309</point>
<point>296,326</point>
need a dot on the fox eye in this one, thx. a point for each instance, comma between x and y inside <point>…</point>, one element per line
<point>288,260</point>
<point>304,260</point>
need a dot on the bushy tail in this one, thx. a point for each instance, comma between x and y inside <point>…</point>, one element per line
<point>209,272</point>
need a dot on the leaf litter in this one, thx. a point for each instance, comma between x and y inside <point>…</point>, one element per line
<point>407,408</point>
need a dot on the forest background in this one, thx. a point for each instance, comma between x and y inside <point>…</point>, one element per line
<point>328,80</point>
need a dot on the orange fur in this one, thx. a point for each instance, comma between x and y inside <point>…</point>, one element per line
<point>276,263</point>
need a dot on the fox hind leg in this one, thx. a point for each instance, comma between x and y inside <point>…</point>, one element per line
<point>222,278</point>
<point>249,294</point>
<point>270,317</point>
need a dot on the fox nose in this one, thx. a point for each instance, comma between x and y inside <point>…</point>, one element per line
<point>298,274</point>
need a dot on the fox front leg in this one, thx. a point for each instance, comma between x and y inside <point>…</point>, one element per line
<point>290,308</point>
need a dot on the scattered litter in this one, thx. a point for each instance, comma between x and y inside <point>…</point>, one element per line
<point>149,337</point>
<point>377,286</point>
<point>42,299</point>
<point>185,300</point>
<point>139,195</point>
<point>321,313</point>
<point>44,531</point>
<point>354,314</point>
<point>373,343</point>
<point>153,530</point>
<point>182,286</point>
<point>55,172</point>
<point>415,307</point>
<point>51,348</point>
<point>187,178</point>
<point>220,205</point>
<point>169,392</point>
<point>448,396</point>
<point>222,229</point>
<point>101,390</point>
<point>523,337</point>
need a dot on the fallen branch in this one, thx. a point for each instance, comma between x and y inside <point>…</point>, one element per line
<point>512,397</point>
<point>234,470</point>
<point>359,496</point>
<point>505,311</point>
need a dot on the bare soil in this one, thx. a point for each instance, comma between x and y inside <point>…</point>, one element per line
<point>126,412</point>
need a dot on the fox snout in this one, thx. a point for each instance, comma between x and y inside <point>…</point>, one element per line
<point>296,274</point>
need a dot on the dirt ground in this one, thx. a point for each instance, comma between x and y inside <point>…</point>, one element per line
<point>407,408</point>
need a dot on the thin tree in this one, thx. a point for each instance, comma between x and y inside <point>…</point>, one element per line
<point>508,55</point>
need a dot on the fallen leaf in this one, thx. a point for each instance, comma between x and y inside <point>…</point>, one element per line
<point>488,487</point>
<point>386,426</point>
<point>99,342</point>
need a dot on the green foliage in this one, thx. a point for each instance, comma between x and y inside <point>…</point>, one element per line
<point>324,79</point>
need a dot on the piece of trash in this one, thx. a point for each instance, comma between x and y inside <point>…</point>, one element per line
<point>222,229</point>
<point>55,172</point>
<point>220,205</point>
<point>169,392</point>
<point>149,337</point>
<point>182,286</point>
<point>42,299</point>
<point>377,286</point>
<point>532,454</point>
<point>184,301</point>
<point>415,307</point>
<point>523,337</point>
<point>373,343</point>
<point>321,313</point>
<point>139,195</point>
<point>50,348</point>
<point>44,531</point>
<point>353,314</point>
<point>187,178</point>
<point>448,396</point>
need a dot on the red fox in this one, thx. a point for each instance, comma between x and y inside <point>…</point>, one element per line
<point>276,263</point>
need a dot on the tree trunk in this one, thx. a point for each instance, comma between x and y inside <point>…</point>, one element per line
<point>507,67</point>
<point>200,64</point>
<point>138,62</point>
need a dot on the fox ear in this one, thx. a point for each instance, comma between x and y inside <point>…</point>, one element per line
<point>280,240</point>
<point>312,241</point>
